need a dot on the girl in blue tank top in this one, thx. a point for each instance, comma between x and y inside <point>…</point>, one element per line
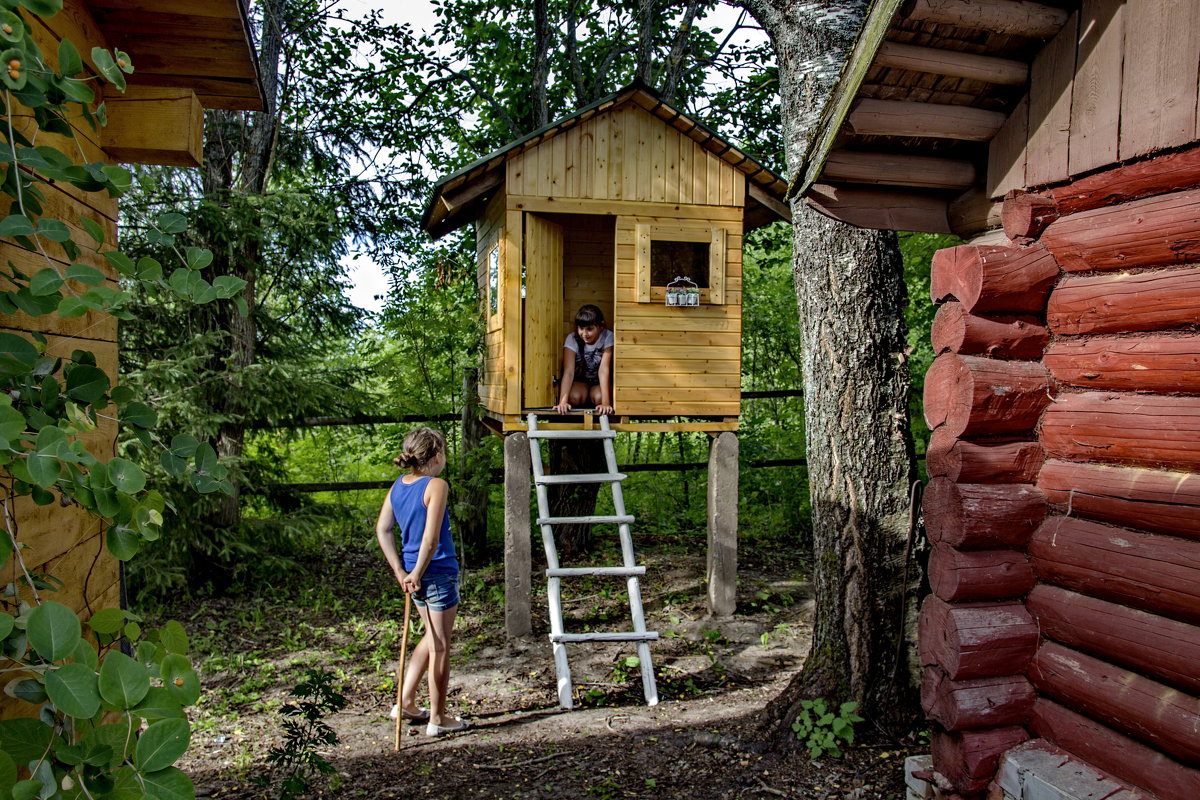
<point>425,566</point>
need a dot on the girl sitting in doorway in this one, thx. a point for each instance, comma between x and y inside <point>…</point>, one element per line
<point>587,363</point>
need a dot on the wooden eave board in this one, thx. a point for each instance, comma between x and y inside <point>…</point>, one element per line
<point>204,45</point>
<point>864,79</point>
<point>437,222</point>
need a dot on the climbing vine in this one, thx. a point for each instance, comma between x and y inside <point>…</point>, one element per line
<point>106,703</point>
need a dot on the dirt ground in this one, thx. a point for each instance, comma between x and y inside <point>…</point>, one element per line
<point>702,740</point>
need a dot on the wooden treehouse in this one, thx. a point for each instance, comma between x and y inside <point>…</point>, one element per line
<point>610,206</point>
<point>1061,139</point>
<point>189,56</point>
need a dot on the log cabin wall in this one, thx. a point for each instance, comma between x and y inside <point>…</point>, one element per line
<point>1064,502</point>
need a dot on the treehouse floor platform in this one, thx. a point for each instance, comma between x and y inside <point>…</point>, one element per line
<point>589,420</point>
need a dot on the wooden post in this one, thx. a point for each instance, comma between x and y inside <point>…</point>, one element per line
<point>517,560</point>
<point>472,520</point>
<point>722,524</point>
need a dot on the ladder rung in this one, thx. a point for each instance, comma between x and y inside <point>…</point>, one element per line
<point>552,434</point>
<point>572,572</point>
<point>583,477</point>
<point>626,520</point>
<point>615,636</point>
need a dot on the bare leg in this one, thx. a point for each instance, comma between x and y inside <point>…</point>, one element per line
<point>417,665</point>
<point>596,395</point>
<point>578,395</point>
<point>438,627</point>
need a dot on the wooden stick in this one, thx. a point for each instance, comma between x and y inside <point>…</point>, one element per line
<point>400,669</point>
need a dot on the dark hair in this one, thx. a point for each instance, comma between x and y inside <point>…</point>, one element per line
<point>420,447</point>
<point>588,315</point>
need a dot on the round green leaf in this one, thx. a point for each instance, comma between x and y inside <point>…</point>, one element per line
<point>27,689</point>
<point>53,229</point>
<point>8,773</point>
<point>107,65</point>
<point>43,8</point>
<point>7,623</point>
<point>140,414</point>
<point>123,681</point>
<point>24,739</point>
<point>114,736</point>
<point>86,383</point>
<point>174,638</point>
<point>161,745</point>
<point>53,630</point>
<point>74,689</point>
<point>159,704</point>
<point>14,77</point>
<point>12,30</point>
<point>123,542</point>
<point>26,790</point>
<point>107,620</point>
<point>16,224</point>
<point>19,348</point>
<point>85,653</point>
<point>126,475</point>
<point>89,276</point>
<point>180,679</point>
<point>44,282</point>
<point>12,423</point>
<point>43,469</point>
<point>69,61</point>
<point>169,784</point>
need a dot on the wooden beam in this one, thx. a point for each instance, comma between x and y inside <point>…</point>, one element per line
<point>987,278</point>
<point>952,63</point>
<point>872,117</point>
<point>973,212</point>
<point>884,169</point>
<point>979,703</point>
<point>983,461</point>
<point>455,200</point>
<point>154,125</point>
<point>881,209</point>
<point>1160,501</point>
<point>1019,336</point>
<point>758,195</point>
<point>977,639</point>
<point>975,396</point>
<point>1014,17</point>
<point>982,516</point>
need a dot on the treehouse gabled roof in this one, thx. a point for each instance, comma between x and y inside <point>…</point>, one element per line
<point>927,87</point>
<point>202,45</point>
<point>458,198</point>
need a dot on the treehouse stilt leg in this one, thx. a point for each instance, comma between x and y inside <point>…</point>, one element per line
<point>517,537</point>
<point>722,524</point>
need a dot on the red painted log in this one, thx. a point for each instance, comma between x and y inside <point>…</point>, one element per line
<point>1122,757</point>
<point>969,759</point>
<point>981,461</point>
<point>1154,500</point>
<point>1148,571</point>
<point>1159,300</point>
<point>981,516</point>
<point>979,703</point>
<point>1151,364</point>
<point>976,640</point>
<point>1146,710</point>
<point>986,278</point>
<point>957,575</point>
<point>1151,232</point>
<point>1161,648</point>
<point>973,396</point>
<point>1027,215</point>
<point>1135,429</point>
<point>994,335</point>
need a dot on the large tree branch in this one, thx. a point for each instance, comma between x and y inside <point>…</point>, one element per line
<point>680,47</point>
<point>541,64</point>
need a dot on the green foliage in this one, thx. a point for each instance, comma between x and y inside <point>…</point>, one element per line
<point>821,730</point>
<point>297,761</point>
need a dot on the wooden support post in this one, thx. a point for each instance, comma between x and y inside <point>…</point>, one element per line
<point>722,524</point>
<point>517,533</point>
<point>154,125</point>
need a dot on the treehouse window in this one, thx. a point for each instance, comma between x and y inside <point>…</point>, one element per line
<point>693,251</point>
<point>494,280</point>
<point>670,260</point>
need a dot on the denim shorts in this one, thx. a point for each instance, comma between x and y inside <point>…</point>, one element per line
<point>438,592</point>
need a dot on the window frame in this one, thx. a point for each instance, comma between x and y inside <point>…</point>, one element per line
<point>704,233</point>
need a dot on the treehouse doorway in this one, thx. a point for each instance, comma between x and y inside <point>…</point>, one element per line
<point>569,261</point>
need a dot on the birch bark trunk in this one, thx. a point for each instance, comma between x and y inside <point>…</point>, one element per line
<point>850,298</point>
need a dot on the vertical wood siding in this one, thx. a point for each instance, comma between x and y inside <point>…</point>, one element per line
<point>488,233</point>
<point>1119,81</point>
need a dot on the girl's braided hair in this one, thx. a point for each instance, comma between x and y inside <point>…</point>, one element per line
<point>420,447</point>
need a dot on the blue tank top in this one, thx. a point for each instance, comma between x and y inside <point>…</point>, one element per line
<point>408,507</point>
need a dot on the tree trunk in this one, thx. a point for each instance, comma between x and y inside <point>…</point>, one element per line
<point>575,499</point>
<point>473,468</point>
<point>851,294</point>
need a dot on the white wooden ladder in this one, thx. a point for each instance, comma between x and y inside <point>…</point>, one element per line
<point>555,573</point>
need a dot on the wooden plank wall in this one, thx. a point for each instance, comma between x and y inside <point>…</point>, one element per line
<point>587,265</point>
<point>626,154</point>
<point>1119,81</point>
<point>67,542</point>
<point>488,234</point>
<point>677,360</point>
